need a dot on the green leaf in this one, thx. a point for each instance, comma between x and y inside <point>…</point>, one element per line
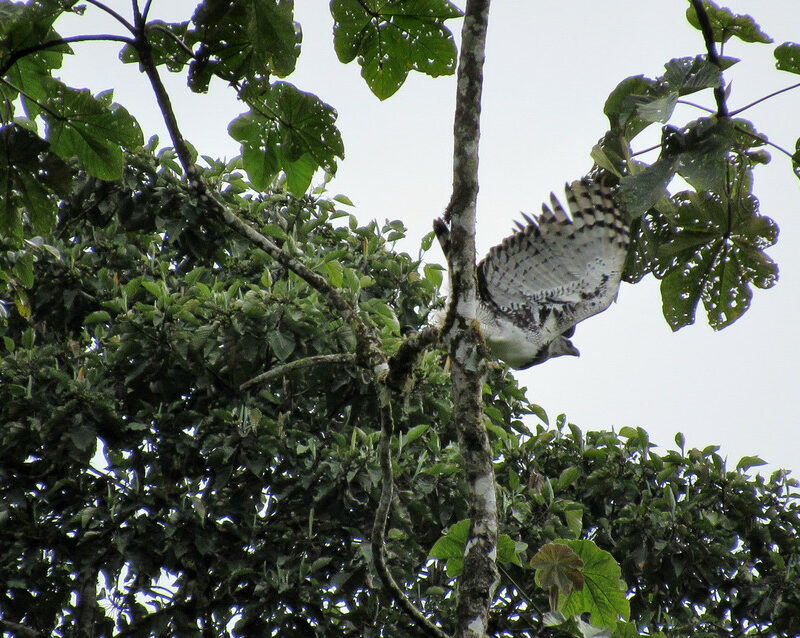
<point>602,596</point>
<point>83,437</point>
<point>395,37</point>
<point>746,462</point>
<point>787,56</point>
<point>451,546</point>
<point>90,128</point>
<point>23,270</point>
<point>164,47</point>
<point>334,270</point>
<point>714,254</point>
<point>287,130</point>
<point>507,550</point>
<point>620,106</point>
<point>688,75</point>
<point>247,40</point>
<point>282,344</point>
<point>645,189</point>
<point>726,24</point>
<point>98,316</point>
<point>416,432</point>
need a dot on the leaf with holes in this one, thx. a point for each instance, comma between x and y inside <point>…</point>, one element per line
<point>287,130</point>
<point>787,56</point>
<point>395,37</point>
<point>715,252</point>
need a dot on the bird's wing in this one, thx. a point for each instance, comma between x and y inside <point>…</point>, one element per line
<point>556,271</point>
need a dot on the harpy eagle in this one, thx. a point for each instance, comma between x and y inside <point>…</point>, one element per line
<point>552,273</point>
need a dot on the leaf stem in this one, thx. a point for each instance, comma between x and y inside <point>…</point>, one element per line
<point>766,97</point>
<point>695,105</point>
<point>21,53</point>
<point>113,14</point>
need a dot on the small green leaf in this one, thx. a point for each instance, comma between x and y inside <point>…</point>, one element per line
<point>282,343</point>
<point>507,550</point>
<point>787,56</point>
<point>334,270</point>
<point>98,316</point>
<point>746,462</point>
<point>726,24</point>
<point>416,432</point>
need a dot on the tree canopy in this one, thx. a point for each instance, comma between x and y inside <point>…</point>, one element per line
<point>224,411</point>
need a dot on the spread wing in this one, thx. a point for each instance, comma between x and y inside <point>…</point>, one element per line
<point>556,271</point>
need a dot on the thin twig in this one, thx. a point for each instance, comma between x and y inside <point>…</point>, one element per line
<point>711,47</point>
<point>646,150</point>
<point>695,105</point>
<point>21,630</point>
<point>146,10</point>
<point>21,53</point>
<point>764,140</point>
<point>766,97</point>
<point>113,14</point>
<point>285,369</point>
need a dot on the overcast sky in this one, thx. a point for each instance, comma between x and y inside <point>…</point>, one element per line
<point>549,69</point>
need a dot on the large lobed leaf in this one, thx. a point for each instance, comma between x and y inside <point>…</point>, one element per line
<point>243,41</point>
<point>715,253</point>
<point>91,128</point>
<point>395,37</point>
<point>287,130</point>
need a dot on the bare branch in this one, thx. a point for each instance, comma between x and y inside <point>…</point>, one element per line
<point>21,53</point>
<point>287,368</point>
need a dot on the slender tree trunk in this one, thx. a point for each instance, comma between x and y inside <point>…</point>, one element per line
<point>467,352</point>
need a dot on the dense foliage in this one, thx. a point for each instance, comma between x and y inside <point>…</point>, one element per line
<point>173,461</point>
<point>132,459</point>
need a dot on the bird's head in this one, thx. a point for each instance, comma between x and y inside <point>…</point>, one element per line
<point>558,347</point>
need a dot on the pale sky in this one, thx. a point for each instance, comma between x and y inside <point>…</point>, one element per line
<point>549,69</point>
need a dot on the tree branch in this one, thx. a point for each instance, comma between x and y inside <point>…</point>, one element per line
<point>297,365</point>
<point>379,528</point>
<point>368,349</point>
<point>462,334</point>
<point>708,35</point>
<point>20,630</point>
<point>21,53</point>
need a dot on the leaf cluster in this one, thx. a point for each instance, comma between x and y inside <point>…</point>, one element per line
<point>706,243</point>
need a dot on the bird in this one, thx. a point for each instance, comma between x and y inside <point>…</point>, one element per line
<point>555,271</point>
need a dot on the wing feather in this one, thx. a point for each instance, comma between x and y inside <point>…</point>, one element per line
<point>559,268</point>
